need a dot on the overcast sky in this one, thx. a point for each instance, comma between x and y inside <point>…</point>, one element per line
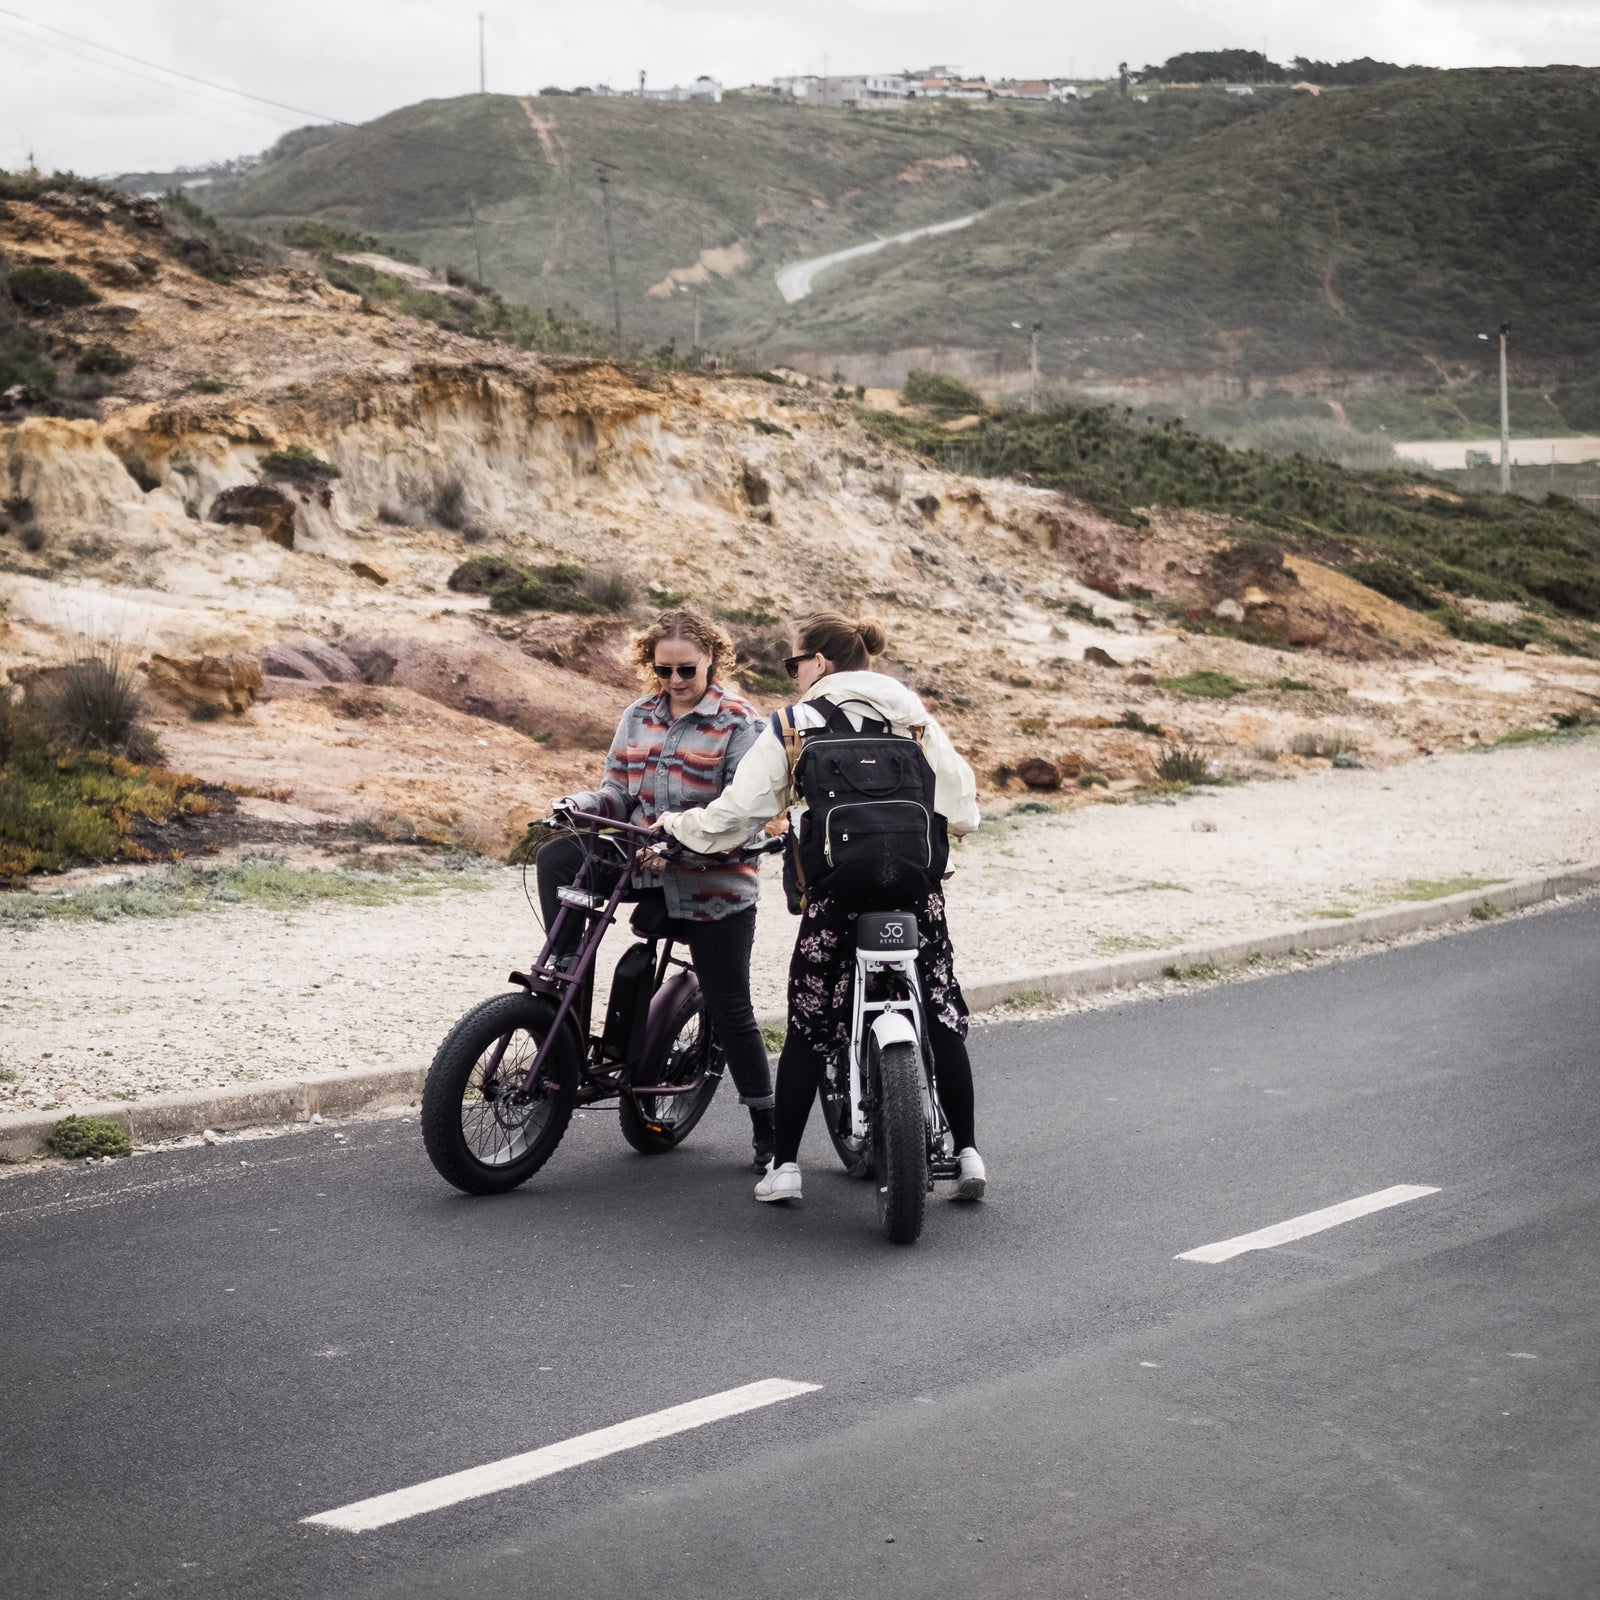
<point>353,59</point>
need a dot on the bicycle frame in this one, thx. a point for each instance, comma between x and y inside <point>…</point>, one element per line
<point>910,1008</point>
<point>575,984</point>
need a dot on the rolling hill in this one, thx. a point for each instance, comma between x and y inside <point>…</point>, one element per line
<point>1370,231</point>
<point>720,194</point>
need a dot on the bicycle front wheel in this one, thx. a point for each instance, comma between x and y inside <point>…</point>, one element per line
<point>899,1142</point>
<point>482,1130</point>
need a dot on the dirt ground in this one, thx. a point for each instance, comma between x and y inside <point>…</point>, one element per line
<point>95,1010</point>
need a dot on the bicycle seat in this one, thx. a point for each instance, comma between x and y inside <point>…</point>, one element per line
<point>884,932</point>
<point>650,919</point>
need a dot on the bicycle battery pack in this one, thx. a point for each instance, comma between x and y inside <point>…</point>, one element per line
<point>632,984</point>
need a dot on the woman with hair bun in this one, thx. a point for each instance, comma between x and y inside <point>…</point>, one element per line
<point>677,746</point>
<point>833,666</point>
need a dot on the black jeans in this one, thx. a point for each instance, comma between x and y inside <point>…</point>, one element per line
<point>720,951</point>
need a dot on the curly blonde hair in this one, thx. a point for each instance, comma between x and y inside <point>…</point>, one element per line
<point>693,626</point>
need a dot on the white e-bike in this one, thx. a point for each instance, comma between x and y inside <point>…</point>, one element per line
<point>879,1098</point>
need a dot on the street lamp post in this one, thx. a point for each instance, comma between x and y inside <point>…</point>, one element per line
<point>1505,411</point>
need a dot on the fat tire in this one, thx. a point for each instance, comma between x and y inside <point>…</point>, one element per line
<point>443,1136</point>
<point>635,1130</point>
<point>900,1141</point>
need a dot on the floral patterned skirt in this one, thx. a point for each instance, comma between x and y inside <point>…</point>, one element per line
<point>821,970</point>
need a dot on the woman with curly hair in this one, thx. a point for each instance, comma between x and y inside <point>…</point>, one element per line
<point>833,667</point>
<point>676,749</point>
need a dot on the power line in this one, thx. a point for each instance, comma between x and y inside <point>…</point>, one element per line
<point>243,94</point>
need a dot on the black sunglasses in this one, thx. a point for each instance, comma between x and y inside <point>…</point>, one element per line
<point>791,664</point>
<point>665,669</point>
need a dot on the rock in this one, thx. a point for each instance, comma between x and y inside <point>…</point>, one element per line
<point>206,686</point>
<point>1203,826</point>
<point>1228,611</point>
<point>1346,762</point>
<point>284,661</point>
<point>255,505</point>
<point>1144,678</point>
<point>1094,656</point>
<point>19,395</point>
<point>1072,764</point>
<point>371,574</point>
<point>1039,773</point>
<point>756,489</point>
<point>209,1136</point>
<point>1533,649</point>
<point>334,665</point>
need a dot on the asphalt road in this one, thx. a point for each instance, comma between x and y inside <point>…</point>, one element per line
<point>1037,1400</point>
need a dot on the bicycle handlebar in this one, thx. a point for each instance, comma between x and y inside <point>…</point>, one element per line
<point>668,845</point>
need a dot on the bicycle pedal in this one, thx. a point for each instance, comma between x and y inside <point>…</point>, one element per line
<point>656,1127</point>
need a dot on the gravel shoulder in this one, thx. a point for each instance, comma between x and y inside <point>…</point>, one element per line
<point>130,1007</point>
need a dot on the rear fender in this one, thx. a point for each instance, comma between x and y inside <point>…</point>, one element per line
<point>664,1007</point>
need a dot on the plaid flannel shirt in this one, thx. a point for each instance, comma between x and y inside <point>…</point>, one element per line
<point>659,764</point>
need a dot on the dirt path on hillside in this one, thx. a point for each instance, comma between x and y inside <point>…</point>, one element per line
<point>125,1009</point>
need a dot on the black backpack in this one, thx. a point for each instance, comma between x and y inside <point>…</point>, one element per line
<point>870,835</point>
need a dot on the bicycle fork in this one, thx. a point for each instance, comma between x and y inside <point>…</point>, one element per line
<point>899,1020</point>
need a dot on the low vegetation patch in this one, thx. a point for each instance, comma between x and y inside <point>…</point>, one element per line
<point>1205,684</point>
<point>299,464</point>
<point>1420,889</point>
<point>1135,723</point>
<point>1418,549</point>
<point>264,880</point>
<point>1319,744</point>
<point>1199,972</point>
<point>65,799</point>
<point>561,586</point>
<point>77,1138</point>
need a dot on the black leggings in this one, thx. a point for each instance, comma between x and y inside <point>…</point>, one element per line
<point>800,1070</point>
<point>721,954</point>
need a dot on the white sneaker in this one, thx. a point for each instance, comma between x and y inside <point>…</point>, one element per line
<point>780,1183</point>
<point>973,1180</point>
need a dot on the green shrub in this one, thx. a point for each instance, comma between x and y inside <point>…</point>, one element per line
<point>93,702</point>
<point>1294,685</point>
<point>511,586</point>
<point>74,1138</point>
<point>299,465</point>
<point>941,392</point>
<point>49,289</point>
<point>1206,684</point>
<point>1134,723</point>
<point>1397,582</point>
<point>1183,764</point>
<point>105,360</point>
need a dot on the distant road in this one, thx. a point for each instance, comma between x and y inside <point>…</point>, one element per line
<point>794,280</point>
<point>1447,454</point>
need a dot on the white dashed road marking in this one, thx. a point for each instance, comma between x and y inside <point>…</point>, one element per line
<point>511,1473</point>
<point>1311,1222</point>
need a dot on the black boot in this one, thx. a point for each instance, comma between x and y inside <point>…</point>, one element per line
<point>762,1136</point>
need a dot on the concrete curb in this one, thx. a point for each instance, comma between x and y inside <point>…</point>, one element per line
<point>171,1116</point>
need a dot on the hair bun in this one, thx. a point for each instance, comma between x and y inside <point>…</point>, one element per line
<point>873,639</point>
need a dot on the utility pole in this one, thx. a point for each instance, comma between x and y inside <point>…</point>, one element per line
<point>483,75</point>
<point>477,246</point>
<point>1505,415</point>
<point>1033,368</point>
<point>604,176</point>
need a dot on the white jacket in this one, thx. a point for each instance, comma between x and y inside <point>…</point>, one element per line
<point>763,785</point>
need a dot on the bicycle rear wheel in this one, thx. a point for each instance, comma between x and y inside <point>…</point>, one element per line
<point>899,1142</point>
<point>855,1153</point>
<point>656,1123</point>
<point>483,1132</point>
